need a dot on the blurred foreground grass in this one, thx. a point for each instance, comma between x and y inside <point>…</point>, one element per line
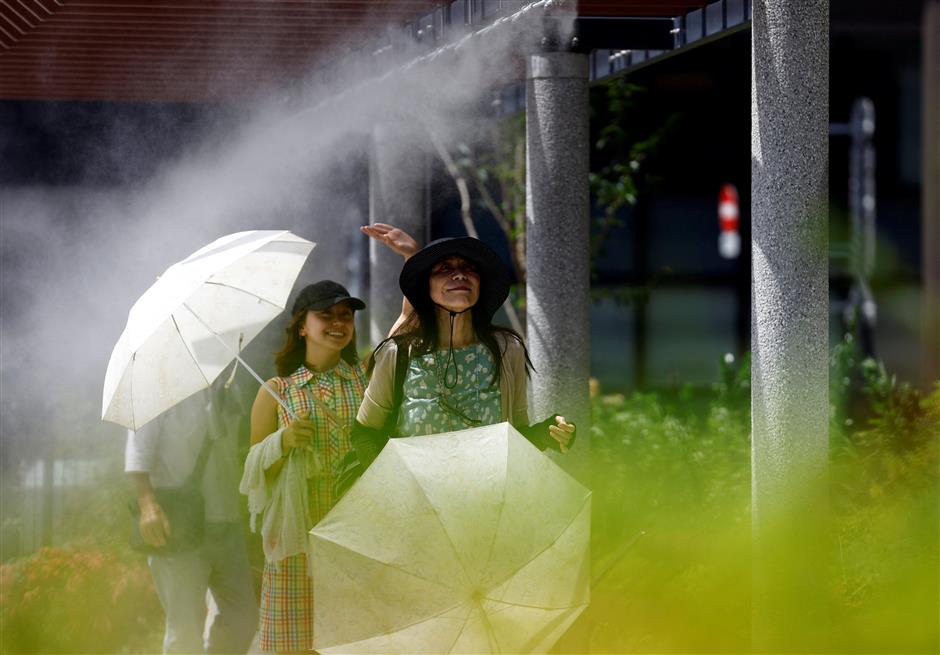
<point>671,533</point>
<point>671,530</point>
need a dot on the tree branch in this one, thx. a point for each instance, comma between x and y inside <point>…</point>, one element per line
<point>466,215</point>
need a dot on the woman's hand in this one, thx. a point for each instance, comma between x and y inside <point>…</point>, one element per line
<point>562,432</point>
<point>393,237</point>
<point>298,434</point>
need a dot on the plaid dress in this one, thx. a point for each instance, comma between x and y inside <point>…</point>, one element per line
<point>286,589</point>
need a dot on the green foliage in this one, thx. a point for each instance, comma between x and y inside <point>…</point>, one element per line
<point>78,599</point>
<point>885,445</point>
<point>671,521</point>
<point>623,150</point>
<point>499,173</point>
<point>889,439</point>
<point>90,593</point>
<point>672,540</point>
<point>496,172</point>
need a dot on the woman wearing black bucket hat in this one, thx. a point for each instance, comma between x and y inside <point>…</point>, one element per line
<point>455,369</point>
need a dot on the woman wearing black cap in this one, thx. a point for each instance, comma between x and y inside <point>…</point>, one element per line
<point>289,471</point>
<point>455,368</point>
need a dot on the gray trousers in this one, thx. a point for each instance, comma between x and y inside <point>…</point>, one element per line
<point>220,565</point>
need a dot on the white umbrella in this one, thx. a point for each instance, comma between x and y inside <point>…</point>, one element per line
<point>186,328</point>
<point>464,542</point>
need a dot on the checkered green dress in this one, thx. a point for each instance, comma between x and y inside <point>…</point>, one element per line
<point>443,394</point>
<point>286,617</point>
<point>341,389</point>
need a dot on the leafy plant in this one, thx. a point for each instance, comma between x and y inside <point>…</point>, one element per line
<point>671,533</point>
<point>671,521</point>
<point>623,151</point>
<point>77,599</point>
<point>494,171</point>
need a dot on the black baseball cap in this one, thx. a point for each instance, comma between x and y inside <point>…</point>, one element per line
<point>323,294</point>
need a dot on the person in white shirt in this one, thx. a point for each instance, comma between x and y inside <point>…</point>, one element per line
<point>164,453</point>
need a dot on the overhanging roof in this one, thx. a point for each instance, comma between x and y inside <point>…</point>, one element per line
<point>212,50</point>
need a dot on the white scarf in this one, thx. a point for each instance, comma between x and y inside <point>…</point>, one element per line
<point>284,503</point>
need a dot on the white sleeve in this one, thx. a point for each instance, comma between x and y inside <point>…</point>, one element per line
<point>379,397</point>
<point>141,449</point>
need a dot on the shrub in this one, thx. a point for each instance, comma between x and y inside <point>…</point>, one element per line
<point>671,528</point>
<point>77,599</point>
<point>672,544</point>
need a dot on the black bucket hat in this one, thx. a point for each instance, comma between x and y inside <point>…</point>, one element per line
<point>494,276</point>
<point>323,294</point>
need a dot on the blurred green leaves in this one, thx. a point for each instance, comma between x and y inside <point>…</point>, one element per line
<point>78,599</point>
<point>672,484</point>
<point>620,151</point>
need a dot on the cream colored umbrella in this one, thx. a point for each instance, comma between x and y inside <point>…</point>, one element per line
<point>190,324</point>
<point>463,542</point>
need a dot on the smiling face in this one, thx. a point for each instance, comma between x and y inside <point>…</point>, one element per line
<point>454,284</point>
<point>329,329</point>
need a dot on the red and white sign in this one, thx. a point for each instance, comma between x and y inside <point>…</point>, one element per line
<point>729,239</point>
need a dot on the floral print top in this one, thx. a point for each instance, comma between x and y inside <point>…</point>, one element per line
<point>449,390</point>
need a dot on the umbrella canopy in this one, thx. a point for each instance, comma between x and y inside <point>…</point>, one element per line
<point>463,542</point>
<point>187,327</point>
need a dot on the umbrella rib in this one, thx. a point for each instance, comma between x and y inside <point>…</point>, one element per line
<point>423,620</point>
<point>133,406</point>
<point>186,345</point>
<point>533,607</point>
<point>432,617</point>
<point>443,528</point>
<point>499,520</point>
<point>393,567</point>
<point>247,293</point>
<point>466,620</point>
<point>418,622</point>
<point>549,545</point>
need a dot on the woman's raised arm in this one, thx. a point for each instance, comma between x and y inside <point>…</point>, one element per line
<point>400,242</point>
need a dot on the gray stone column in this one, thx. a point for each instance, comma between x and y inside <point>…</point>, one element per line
<point>789,323</point>
<point>557,240</point>
<point>398,194</point>
<point>930,185</point>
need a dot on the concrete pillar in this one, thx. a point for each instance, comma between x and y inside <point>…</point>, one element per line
<point>398,194</point>
<point>557,240</point>
<point>930,186</point>
<point>789,323</point>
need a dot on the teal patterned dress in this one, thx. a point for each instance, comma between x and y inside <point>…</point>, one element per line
<point>438,399</point>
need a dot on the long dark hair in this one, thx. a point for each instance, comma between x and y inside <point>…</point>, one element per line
<point>294,352</point>
<point>419,336</point>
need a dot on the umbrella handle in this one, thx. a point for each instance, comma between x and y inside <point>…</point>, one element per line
<point>267,388</point>
<point>241,361</point>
